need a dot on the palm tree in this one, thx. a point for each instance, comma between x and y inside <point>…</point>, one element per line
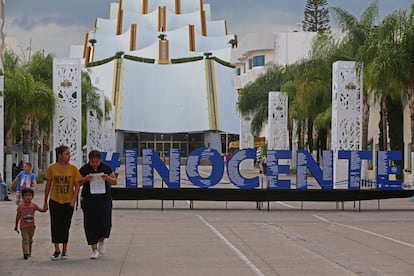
<point>42,115</point>
<point>356,33</point>
<point>254,97</point>
<point>312,99</point>
<point>390,73</point>
<point>17,85</point>
<point>41,106</point>
<point>91,101</point>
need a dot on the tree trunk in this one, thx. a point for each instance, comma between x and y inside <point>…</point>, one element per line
<point>411,107</point>
<point>365,120</point>
<point>396,129</point>
<point>384,122</point>
<point>315,140</point>
<point>36,143</point>
<point>26,136</point>
<point>46,151</point>
<point>8,151</point>
<point>310,134</point>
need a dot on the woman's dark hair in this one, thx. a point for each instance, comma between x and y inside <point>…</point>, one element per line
<point>95,154</point>
<point>27,190</point>
<point>60,150</point>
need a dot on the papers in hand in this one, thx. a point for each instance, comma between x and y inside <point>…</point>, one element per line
<point>97,184</point>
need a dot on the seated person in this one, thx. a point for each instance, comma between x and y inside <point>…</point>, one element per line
<point>5,188</point>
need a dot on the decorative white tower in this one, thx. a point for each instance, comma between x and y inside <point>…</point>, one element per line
<point>67,119</point>
<point>346,115</point>
<point>278,135</point>
<point>246,140</point>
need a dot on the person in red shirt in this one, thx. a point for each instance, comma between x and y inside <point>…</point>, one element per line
<point>26,216</point>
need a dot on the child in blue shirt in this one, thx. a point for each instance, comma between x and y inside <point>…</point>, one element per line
<point>25,179</point>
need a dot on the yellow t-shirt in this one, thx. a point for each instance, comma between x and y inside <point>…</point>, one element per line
<point>63,182</point>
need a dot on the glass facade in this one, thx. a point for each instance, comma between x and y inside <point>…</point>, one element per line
<point>162,143</point>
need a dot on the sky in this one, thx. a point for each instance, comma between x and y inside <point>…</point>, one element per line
<point>54,25</point>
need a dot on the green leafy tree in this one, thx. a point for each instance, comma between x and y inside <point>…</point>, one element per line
<point>91,101</point>
<point>316,16</point>
<point>17,87</point>
<point>41,68</point>
<point>42,107</point>
<point>28,101</point>
<point>389,66</point>
<point>253,100</point>
<point>356,33</point>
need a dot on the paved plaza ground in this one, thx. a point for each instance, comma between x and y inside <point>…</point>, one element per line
<point>226,238</point>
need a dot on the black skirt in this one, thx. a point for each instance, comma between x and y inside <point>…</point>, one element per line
<point>97,218</point>
<point>60,220</point>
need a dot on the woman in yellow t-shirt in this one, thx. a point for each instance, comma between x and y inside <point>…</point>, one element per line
<point>63,187</point>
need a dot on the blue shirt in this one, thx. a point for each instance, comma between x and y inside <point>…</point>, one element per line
<point>25,177</point>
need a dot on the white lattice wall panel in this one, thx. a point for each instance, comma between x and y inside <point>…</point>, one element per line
<point>246,137</point>
<point>346,115</point>
<point>246,140</point>
<point>108,135</point>
<point>278,121</point>
<point>95,127</point>
<point>101,135</point>
<point>67,122</point>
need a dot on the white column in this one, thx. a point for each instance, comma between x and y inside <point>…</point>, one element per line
<point>108,134</point>
<point>95,127</point>
<point>346,115</point>
<point>67,120</point>
<point>278,133</point>
<point>246,140</point>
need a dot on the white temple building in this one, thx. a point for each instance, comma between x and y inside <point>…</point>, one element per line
<point>165,65</point>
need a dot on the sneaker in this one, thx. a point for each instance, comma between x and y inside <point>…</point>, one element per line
<point>101,247</point>
<point>25,256</point>
<point>95,255</point>
<point>55,256</point>
<point>7,199</point>
<point>64,256</point>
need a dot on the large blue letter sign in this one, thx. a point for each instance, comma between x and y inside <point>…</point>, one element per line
<point>354,165</point>
<point>233,171</point>
<point>151,160</point>
<point>131,175</point>
<point>305,161</point>
<point>384,169</point>
<point>114,163</point>
<point>324,176</point>
<point>217,168</point>
<point>274,169</point>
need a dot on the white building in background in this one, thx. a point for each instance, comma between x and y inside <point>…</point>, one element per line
<point>171,85</point>
<point>256,52</point>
